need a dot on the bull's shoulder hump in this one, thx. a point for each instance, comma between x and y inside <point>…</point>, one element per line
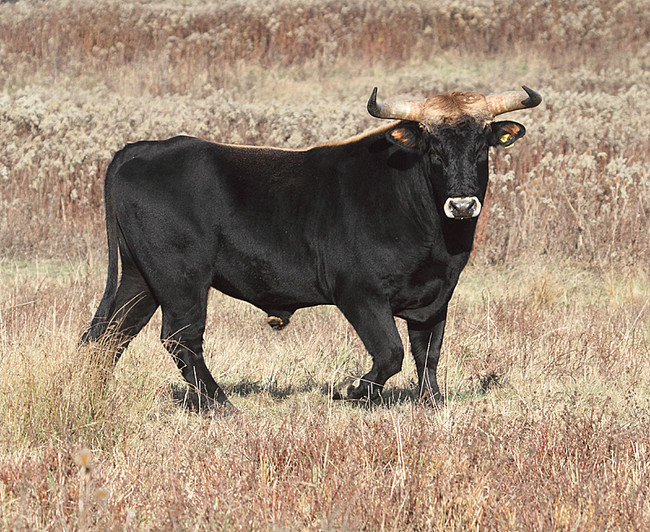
<point>366,136</point>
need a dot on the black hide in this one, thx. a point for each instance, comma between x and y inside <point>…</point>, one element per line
<point>358,225</point>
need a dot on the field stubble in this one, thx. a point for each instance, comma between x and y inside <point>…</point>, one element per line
<point>545,365</point>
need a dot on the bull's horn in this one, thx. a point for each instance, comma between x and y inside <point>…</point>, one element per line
<point>396,110</point>
<point>512,101</point>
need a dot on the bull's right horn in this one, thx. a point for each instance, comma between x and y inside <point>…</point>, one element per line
<point>395,110</point>
<point>505,102</point>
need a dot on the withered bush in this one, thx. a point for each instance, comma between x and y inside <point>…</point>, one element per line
<point>80,80</point>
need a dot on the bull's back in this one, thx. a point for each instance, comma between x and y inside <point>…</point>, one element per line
<point>235,215</point>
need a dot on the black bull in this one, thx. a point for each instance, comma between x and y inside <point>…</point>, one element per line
<point>380,226</point>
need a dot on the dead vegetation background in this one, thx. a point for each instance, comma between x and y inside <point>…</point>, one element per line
<point>546,360</point>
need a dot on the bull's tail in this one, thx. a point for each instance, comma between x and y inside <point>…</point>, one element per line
<point>105,310</point>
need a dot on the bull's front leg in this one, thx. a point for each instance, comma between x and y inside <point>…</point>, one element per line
<point>426,342</point>
<point>371,316</point>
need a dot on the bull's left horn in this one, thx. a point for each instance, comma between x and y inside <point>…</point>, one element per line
<point>395,110</point>
<point>505,102</point>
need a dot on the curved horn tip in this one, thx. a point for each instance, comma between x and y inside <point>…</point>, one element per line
<point>372,103</point>
<point>534,97</point>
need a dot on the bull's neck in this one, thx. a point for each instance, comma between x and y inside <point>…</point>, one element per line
<point>458,235</point>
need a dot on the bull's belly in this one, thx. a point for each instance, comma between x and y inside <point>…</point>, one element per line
<point>270,293</point>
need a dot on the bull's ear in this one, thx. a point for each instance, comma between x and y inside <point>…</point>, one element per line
<point>506,133</point>
<point>407,136</point>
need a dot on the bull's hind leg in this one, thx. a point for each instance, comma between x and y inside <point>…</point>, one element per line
<point>131,311</point>
<point>184,313</point>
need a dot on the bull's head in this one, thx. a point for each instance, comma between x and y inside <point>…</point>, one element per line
<point>454,133</point>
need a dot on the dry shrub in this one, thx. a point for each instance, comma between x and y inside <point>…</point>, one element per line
<point>194,37</point>
<point>83,81</point>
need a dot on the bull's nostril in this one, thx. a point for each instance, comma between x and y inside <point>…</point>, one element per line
<point>463,206</point>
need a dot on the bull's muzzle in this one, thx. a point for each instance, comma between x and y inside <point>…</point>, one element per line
<point>461,208</point>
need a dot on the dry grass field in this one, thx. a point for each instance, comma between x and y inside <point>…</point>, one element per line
<point>546,361</point>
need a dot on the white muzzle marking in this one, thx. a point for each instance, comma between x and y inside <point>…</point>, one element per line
<point>462,207</point>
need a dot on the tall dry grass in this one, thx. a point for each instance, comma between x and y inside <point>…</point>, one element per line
<point>547,349</point>
<point>545,375</point>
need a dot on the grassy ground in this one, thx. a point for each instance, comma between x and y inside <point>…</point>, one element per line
<point>545,371</point>
<point>546,361</point>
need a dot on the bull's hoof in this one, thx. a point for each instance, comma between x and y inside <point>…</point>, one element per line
<point>431,399</point>
<point>363,392</point>
<point>339,392</point>
<point>347,391</point>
